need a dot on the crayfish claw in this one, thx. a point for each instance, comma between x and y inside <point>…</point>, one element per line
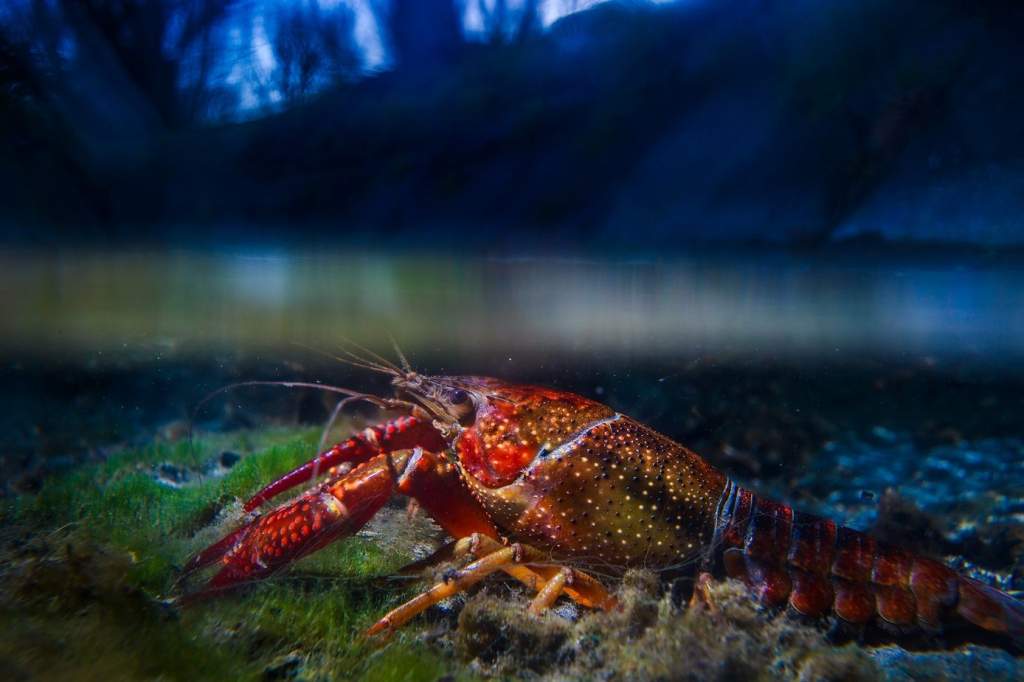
<point>280,537</point>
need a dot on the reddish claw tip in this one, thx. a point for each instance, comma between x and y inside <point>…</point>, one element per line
<point>214,552</point>
<point>253,503</point>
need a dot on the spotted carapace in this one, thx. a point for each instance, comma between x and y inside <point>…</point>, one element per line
<point>553,488</point>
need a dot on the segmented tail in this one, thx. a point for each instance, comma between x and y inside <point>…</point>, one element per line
<point>991,609</point>
<point>818,568</point>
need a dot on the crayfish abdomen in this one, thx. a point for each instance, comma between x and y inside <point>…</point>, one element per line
<point>819,569</point>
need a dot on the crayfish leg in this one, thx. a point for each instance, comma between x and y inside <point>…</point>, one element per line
<point>550,592</point>
<point>522,562</point>
<point>702,593</point>
<point>582,588</point>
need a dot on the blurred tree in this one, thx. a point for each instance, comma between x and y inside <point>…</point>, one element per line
<point>17,78</point>
<point>162,49</point>
<point>39,156</point>
<point>30,35</point>
<point>495,18</point>
<point>529,22</point>
<point>313,48</point>
<point>501,25</point>
<point>424,32</point>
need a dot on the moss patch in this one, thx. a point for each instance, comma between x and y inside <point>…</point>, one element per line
<point>88,562</point>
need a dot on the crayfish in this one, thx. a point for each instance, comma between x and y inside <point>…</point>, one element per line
<point>553,488</point>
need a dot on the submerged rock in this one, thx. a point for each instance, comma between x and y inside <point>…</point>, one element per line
<point>969,663</point>
<point>175,475</point>
<point>650,639</point>
<point>285,668</point>
<point>229,459</point>
<point>172,475</point>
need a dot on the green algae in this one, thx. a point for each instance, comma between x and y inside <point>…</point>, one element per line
<point>90,565</point>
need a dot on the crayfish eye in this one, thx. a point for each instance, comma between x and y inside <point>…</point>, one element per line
<point>460,404</point>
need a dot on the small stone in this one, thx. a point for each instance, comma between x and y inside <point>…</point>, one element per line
<point>172,475</point>
<point>229,459</point>
<point>567,610</point>
<point>883,434</point>
<point>175,431</point>
<point>970,662</point>
<point>284,668</point>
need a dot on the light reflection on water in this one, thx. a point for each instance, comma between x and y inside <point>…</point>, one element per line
<point>774,304</point>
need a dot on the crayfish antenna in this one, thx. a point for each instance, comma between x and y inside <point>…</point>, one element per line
<point>381,366</point>
<point>286,384</point>
<point>401,356</point>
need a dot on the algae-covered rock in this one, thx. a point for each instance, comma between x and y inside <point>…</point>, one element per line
<point>285,668</point>
<point>63,572</point>
<point>496,632</point>
<point>649,638</point>
<point>967,663</point>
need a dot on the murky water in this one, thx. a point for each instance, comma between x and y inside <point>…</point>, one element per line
<point>885,393</point>
<point>747,305</point>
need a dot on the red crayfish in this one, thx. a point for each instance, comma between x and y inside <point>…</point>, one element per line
<point>549,487</point>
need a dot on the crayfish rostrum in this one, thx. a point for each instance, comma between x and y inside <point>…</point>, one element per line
<point>551,487</point>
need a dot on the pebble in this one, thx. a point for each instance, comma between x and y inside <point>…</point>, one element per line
<point>229,459</point>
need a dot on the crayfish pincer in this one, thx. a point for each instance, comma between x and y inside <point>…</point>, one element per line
<point>550,487</point>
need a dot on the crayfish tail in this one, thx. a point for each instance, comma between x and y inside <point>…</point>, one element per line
<point>992,610</point>
<point>816,568</point>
